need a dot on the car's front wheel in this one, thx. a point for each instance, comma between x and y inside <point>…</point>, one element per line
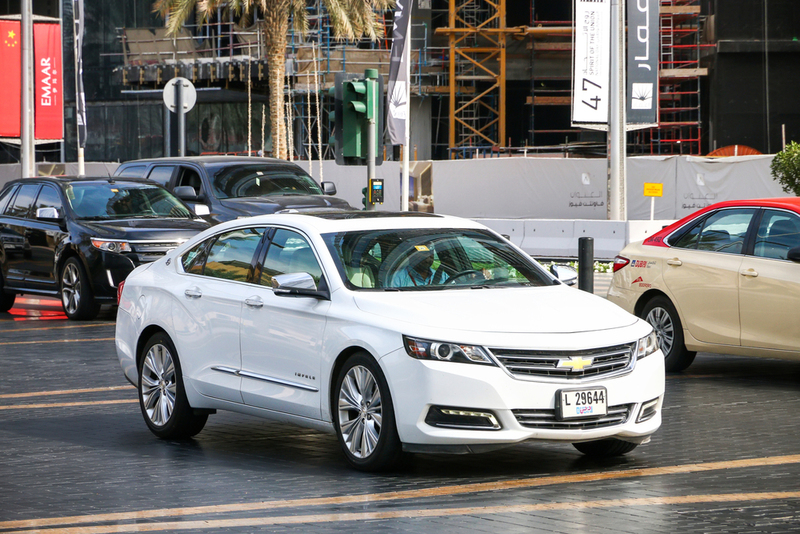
<point>364,415</point>
<point>663,317</point>
<point>76,294</point>
<point>6,299</point>
<point>162,397</point>
<point>605,448</point>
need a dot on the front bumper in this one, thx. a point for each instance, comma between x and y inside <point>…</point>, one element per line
<point>417,386</point>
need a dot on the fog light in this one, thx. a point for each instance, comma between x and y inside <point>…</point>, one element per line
<point>462,418</point>
<point>647,411</point>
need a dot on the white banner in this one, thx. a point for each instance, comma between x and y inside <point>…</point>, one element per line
<point>591,58</point>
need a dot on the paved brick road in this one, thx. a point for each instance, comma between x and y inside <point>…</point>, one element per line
<point>75,456</point>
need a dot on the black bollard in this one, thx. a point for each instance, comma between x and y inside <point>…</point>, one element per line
<point>586,264</point>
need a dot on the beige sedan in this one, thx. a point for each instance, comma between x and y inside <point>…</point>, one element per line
<point>725,279</point>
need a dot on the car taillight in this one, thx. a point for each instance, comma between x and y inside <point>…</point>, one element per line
<point>620,262</point>
<point>119,291</point>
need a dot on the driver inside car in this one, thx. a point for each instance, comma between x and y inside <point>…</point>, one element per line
<point>417,271</point>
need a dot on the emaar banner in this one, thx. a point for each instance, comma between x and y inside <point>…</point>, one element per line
<point>643,43</point>
<point>591,63</point>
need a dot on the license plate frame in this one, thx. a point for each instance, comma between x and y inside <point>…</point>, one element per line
<point>581,403</point>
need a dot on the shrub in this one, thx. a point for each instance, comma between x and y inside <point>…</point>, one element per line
<point>785,168</point>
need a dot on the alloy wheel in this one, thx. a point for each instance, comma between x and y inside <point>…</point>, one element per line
<point>662,323</point>
<point>158,384</point>
<point>71,288</point>
<point>360,411</point>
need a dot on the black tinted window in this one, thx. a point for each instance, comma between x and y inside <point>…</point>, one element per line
<point>160,175</point>
<point>23,201</point>
<point>5,197</point>
<point>134,171</point>
<point>48,198</point>
<point>260,180</point>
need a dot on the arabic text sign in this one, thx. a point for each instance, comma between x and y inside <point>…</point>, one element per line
<point>653,190</point>
<point>643,42</point>
<point>591,59</point>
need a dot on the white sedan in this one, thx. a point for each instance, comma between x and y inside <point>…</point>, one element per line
<point>399,332</point>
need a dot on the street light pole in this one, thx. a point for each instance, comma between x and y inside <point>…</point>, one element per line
<point>27,146</point>
<point>617,208</point>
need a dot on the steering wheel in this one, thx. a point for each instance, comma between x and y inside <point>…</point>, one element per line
<point>463,274</point>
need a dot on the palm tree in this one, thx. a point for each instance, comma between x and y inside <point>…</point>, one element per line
<point>350,19</point>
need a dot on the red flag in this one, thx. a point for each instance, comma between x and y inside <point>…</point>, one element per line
<point>11,67</point>
<point>49,104</point>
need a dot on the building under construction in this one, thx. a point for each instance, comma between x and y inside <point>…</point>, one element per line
<point>488,79</point>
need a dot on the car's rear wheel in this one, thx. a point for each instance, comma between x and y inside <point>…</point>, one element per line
<point>6,299</point>
<point>605,448</point>
<point>364,415</point>
<point>663,317</point>
<point>76,293</point>
<point>162,397</point>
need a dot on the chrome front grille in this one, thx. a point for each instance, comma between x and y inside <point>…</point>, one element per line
<point>148,251</point>
<point>546,419</point>
<point>569,364</point>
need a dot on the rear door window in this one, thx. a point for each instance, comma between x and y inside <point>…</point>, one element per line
<point>723,231</point>
<point>231,255</point>
<point>5,197</point>
<point>21,206</point>
<point>161,174</point>
<point>134,171</point>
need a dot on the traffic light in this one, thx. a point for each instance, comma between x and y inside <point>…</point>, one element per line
<point>364,199</point>
<point>356,101</point>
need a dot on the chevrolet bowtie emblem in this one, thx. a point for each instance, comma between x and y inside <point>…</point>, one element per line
<point>575,363</point>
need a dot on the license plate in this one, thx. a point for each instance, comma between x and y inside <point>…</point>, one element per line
<point>576,403</point>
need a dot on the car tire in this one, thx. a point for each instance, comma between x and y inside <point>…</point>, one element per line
<point>363,415</point>
<point>76,293</point>
<point>605,448</point>
<point>6,299</point>
<point>162,397</point>
<point>663,317</point>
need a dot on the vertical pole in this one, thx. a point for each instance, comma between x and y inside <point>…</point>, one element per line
<point>617,209</point>
<point>27,147</point>
<point>181,119</point>
<point>371,76</point>
<point>586,264</point>
<point>407,134</point>
<point>652,208</point>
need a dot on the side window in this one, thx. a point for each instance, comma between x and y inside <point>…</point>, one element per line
<point>134,171</point>
<point>289,252</point>
<point>160,175</point>
<point>5,197</point>
<point>194,260</point>
<point>48,198</point>
<point>191,178</point>
<point>723,231</point>
<point>21,206</point>
<point>232,253</point>
<point>778,232</point>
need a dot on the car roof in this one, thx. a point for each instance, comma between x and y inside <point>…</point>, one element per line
<point>330,221</point>
<point>204,160</point>
<point>60,180</point>
<point>792,203</point>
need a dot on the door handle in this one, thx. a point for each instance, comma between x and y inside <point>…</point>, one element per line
<point>675,261</point>
<point>254,302</point>
<point>193,293</point>
<point>749,272</point>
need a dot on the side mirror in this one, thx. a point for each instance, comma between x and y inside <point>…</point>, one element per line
<point>793,254</point>
<point>297,285</point>
<point>185,192</point>
<point>565,274</point>
<point>47,213</point>
<point>328,188</point>
<point>201,209</point>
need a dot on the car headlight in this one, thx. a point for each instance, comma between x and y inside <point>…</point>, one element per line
<point>111,246</point>
<point>423,349</point>
<point>647,345</point>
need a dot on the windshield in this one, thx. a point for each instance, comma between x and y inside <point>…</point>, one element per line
<point>420,260</point>
<point>262,180</point>
<point>120,200</point>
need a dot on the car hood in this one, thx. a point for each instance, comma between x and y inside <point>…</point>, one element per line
<point>535,310</point>
<point>147,229</point>
<point>273,203</point>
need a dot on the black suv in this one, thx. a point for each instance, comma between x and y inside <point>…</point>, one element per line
<point>223,188</point>
<point>78,238</point>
